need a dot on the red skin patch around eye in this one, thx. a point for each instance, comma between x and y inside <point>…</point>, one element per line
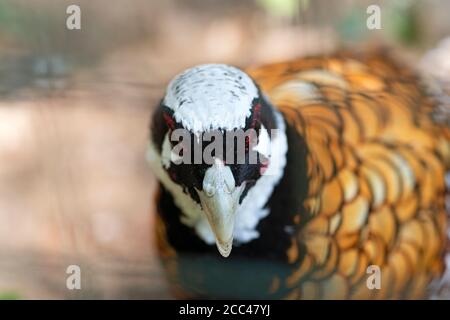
<point>169,121</point>
<point>256,114</point>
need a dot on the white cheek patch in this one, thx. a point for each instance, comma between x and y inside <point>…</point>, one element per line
<point>191,209</point>
<point>252,210</point>
<point>168,156</point>
<point>166,152</point>
<point>203,230</point>
<point>263,145</point>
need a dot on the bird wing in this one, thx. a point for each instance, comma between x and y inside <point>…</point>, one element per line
<point>376,167</point>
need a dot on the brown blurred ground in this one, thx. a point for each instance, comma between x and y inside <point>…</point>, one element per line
<point>74,113</point>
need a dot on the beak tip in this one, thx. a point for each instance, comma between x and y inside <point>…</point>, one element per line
<point>224,248</point>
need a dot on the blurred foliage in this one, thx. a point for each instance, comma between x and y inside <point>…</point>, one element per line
<point>402,23</point>
<point>399,22</point>
<point>284,8</point>
<point>9,296</point>
<point>353,25</point>
<point>24,24</point>
<point>9,18</point>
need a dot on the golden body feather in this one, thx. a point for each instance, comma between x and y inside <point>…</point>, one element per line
<point>376,169</point>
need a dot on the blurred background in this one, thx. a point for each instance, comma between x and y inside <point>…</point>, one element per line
<point>75,108</point>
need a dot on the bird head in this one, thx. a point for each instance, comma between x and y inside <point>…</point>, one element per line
<point>212,137</point>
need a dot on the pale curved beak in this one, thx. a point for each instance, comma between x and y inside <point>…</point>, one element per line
<point>220,200</point>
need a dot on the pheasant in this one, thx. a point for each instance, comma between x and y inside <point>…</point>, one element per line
<point>357,164</point>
